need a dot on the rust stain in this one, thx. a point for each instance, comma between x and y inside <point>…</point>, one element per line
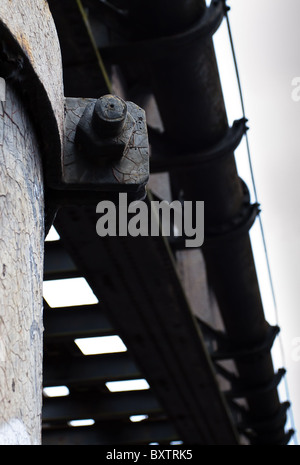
<point>24,43</point>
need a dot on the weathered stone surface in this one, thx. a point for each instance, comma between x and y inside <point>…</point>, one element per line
<point>21,276</point>
<point>32,26</point>
<point>28,27</point>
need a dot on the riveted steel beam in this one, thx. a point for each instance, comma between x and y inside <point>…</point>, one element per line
<point>96,406</point>
<point>86,370</point>
<point>113,433</point>
<point>85,321</point>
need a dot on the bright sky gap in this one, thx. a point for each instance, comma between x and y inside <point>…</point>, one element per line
<point>68,292</point>
<point>100,345</point>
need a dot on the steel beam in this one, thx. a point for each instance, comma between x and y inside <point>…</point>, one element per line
<point>57,263</point>
<point>157,327</point>
<point>82,321</point>
<point>99,406</point>
<point>111,434</point>
<point>84,370</point>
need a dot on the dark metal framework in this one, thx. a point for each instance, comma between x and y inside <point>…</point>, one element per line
<point>162,49</point>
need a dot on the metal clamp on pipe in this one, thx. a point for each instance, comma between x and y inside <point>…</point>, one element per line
<point>163,158</point>
<point>239,391</point>
<point>227,231</point>
<point>237,225</point>
<point>226,351</point>
<point>272,422</point>
<point>155,48</point>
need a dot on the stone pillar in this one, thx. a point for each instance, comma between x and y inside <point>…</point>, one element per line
<point>31,131</point>
<point>21,276</point>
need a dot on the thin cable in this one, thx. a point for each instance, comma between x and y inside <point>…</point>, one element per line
<point>250,164</point>
<point>259,216</point>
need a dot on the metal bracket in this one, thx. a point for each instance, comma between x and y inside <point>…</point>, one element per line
<point>99,159</point>
<point>105,151</point>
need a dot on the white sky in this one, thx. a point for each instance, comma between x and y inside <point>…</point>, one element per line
<point>266,38</point>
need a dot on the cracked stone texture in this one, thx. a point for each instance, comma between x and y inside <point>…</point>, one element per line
<point>32,25</point>
<point>21,276</point>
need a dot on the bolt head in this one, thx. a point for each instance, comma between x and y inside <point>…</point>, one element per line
<point>96,130</point>
<point>109,115</point>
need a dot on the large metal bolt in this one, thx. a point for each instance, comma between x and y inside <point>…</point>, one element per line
<point>109,116</point>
